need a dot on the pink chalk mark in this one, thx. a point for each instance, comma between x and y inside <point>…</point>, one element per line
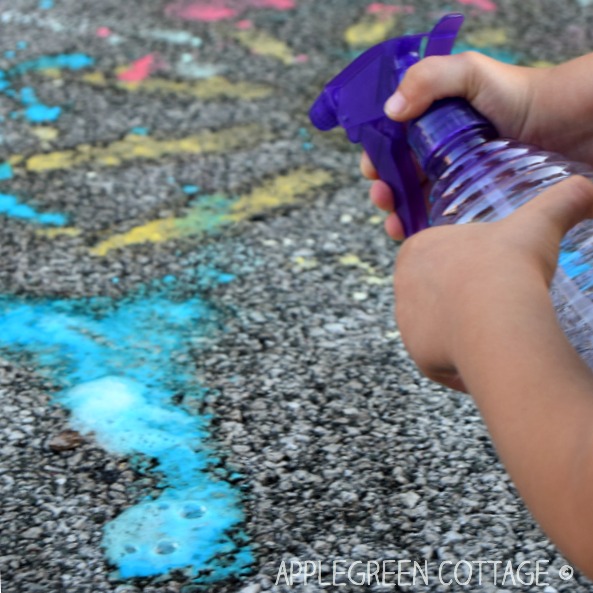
<point>244,24</point>
<point>141,69</point>
<point>485,5</point>
<point>379,8</point>
<point>199,12</point>
<point>220,10</point>
<point>103,32</point>
<point>301,58</point>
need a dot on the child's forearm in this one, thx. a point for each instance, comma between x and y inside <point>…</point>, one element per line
<point>536,396</point>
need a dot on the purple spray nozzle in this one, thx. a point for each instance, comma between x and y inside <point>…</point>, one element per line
<point>355,98</point>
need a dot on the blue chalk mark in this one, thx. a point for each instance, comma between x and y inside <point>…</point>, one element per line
<point>46,4</point>
<point>37,112</point>
<point>209,276</point>
<point>120,366</point>
<point>191,189</point>
<point>5,171</point>
<point>34,110</point>
<point>140,131</point>
<point>306,144</point>
<point>22,45</point>
<point>502,55</point>
<point>28,96</point>
<point>12,207</point>
<point>9,54</point>
<point>75,61</point>
<point>42,113</point>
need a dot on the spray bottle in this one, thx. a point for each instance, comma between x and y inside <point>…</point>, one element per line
<point>477,175</point>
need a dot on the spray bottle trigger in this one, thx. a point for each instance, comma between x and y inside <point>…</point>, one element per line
<point>443,35</point>
<point>355,100</point>
<point>393,161</point>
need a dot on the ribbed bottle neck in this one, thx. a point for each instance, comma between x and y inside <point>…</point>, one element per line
<point>447,131</point>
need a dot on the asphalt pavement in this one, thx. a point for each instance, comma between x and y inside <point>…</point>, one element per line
<point>202,384</point>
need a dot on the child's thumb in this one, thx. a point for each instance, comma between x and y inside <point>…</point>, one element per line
<point>558,209</point>
<point>433,78</point>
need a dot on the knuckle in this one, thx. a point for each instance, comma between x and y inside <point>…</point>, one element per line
<point>421,76</point>
<point>469,59</point>
<point>472,65</point>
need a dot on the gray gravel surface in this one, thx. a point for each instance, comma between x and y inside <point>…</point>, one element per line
<point>346,452</point>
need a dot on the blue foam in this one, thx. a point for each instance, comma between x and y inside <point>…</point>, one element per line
<point>120,366</point>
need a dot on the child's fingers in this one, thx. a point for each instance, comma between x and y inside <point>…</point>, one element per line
<point>394,227</point>
<point>536,228</point>
<point>367,168</point>
<point>558,209</point>
<point>433,78</point>
<point>381,196</point>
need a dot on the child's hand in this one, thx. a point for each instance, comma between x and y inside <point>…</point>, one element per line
<point>453,281</point>
<point>551,108</point>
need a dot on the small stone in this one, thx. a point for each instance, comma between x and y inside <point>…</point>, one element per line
<point>335,328</point>
<point>33,533</point>
<point>65,441</point>
<point>251,589</point>
<point>361,551</point>
<point>411,499</point>
<point>349,497</point>
<point>452,537</point>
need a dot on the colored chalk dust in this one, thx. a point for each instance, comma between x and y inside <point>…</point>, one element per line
<point>12,207</point>
<point>34,110</point>
<point>120,366</point>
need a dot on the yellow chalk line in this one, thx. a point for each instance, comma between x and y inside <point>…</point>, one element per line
<point>213,212</point>
<point>263,44</point>
<point>370,30</point>
<point>215,87</point>
<point>133,147</point>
